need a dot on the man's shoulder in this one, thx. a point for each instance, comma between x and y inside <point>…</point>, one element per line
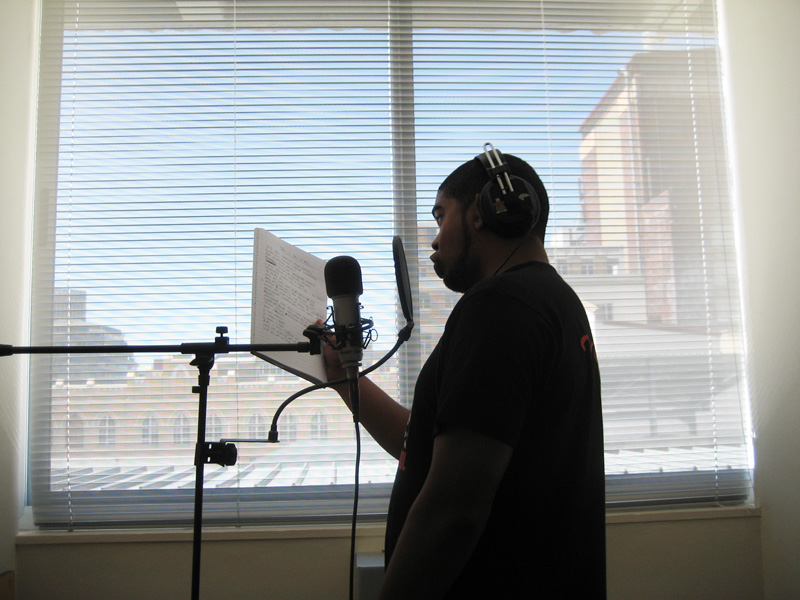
<point>523,296</point>
<point>531,297</point>
<point>531,283</point>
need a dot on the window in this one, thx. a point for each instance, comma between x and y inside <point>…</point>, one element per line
<point>150,430</point>
<point>257,427</point>
<point>182,430</point>
<point>288,429</point>
<point>319,426</point>
<point>215,428</point>
<point>169,129</point>
<point>107,431</point>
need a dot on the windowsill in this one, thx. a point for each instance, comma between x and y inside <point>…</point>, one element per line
<point>317,531</point>
<point>682,514</point>
<point>185,534</point>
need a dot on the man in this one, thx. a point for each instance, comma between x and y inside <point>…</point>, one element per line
<point>499,491</point>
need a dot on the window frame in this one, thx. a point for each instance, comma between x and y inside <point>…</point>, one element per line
<point>402,25</point>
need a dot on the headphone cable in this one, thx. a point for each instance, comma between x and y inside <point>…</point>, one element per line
<point>514,251</point>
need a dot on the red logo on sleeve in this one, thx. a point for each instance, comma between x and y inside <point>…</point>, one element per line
<point>587,345</point>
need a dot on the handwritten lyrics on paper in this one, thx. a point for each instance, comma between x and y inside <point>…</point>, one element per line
<point>288,296</point>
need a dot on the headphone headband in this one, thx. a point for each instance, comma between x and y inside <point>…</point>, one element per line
<point>495,164</point>
<point>508,204</point>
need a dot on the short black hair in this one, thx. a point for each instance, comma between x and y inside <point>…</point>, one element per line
<point>468,180</point>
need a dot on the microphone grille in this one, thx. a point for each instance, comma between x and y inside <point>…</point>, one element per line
<point>343,277</point>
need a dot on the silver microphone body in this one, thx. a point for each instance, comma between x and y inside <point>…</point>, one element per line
<point>347,325</point>
<point>343,286</point>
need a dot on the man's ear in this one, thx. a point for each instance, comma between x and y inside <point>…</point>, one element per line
<point>476,218</point>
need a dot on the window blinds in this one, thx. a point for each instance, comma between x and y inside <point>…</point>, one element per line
<point>169,129</point>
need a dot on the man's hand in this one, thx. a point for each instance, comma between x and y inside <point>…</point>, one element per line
<point>384,418</point>
<point>333,364</point>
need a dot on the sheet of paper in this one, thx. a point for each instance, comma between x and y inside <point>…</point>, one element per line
<point>288,296</point>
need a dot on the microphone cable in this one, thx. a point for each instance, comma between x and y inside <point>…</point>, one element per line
<point>403,335</point>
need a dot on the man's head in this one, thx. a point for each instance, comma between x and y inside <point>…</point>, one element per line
<point>466,182</point>
<point>466,250</point>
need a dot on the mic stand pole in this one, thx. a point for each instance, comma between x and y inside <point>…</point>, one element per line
<point>221,453</point>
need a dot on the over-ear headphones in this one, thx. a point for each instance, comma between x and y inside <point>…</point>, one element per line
<point>508,204</point>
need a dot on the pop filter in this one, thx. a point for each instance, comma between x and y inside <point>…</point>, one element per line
<point>401,275</point>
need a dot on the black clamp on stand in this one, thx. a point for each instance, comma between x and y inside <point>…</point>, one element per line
<point>220,453</point>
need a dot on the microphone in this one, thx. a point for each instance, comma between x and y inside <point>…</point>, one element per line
<point>343,286</point>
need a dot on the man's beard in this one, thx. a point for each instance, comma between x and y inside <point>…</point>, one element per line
<point>465,272</point>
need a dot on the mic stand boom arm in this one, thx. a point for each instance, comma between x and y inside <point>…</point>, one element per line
<point>221,453</point>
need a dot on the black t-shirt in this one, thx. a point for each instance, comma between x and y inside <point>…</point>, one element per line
<point>516,362</point>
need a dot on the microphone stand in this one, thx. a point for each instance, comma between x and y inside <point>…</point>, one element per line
<point>221,453</point>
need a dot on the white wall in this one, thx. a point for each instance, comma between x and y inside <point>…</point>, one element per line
<point>17,69</point>
<point>664,557</point>
<point>761,54</point>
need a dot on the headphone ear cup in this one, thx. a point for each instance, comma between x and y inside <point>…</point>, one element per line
<point>511,214</point>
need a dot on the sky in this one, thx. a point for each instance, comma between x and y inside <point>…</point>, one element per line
<point>167,167</point>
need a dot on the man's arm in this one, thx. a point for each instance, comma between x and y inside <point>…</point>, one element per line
<point>383,417</point>
<point>448,517</point>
